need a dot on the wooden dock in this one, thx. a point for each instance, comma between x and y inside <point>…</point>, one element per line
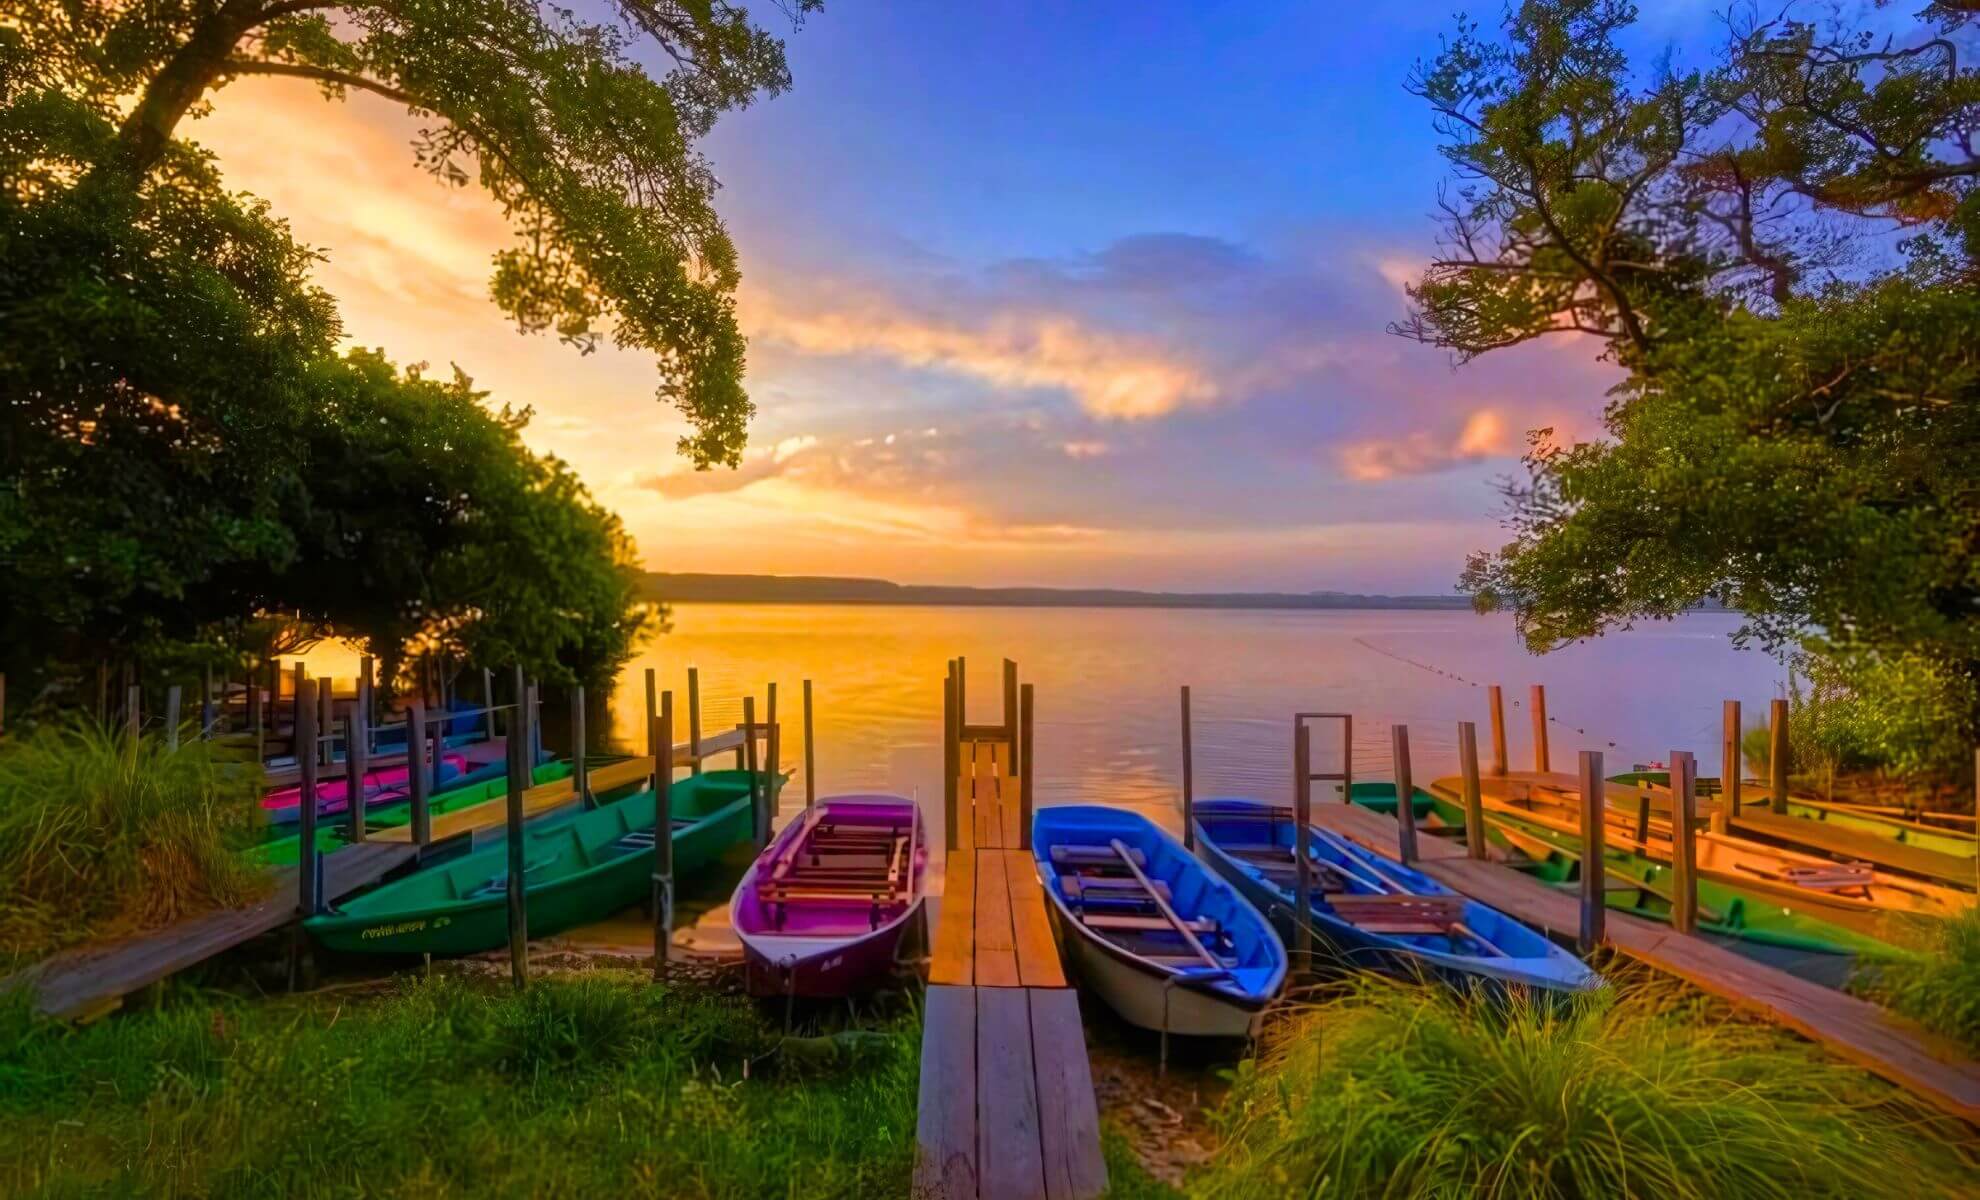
<point>1928,1067</point>
<point>87,983</point>
<point>1007,1104</point>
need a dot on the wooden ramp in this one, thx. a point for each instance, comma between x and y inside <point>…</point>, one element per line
<point>1007,1104</point>
<point>87,983</point>
<point>1928,1067</point>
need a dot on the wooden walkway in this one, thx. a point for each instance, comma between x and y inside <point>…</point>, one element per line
<point>87,983</point>
<point>1928,1067</point>
<point>1007,1104</point>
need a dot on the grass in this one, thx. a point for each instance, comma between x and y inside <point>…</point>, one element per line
<point>102,835</point>
<point>1939,987</point>
<point>585,1085</point>
<point>1395,1089</point>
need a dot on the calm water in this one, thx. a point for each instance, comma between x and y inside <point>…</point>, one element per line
<point>1107,680</point>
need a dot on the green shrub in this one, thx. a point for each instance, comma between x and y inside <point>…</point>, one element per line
<point>1939,987</point>
<point>100,835</point>
<point>1401,1090</point>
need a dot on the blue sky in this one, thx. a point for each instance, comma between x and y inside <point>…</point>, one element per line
<point>1076,294</point>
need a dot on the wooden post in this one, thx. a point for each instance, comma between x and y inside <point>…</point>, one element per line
<point>1594,825</point>
<point>757,823</point>
<point>1642,817</point>
<point>364,692</point>
<point>258,717</point>
<point>295,709</point>
<point>1474,800</point>
<point>327,693</point>
<point>172,702</point>
<point>663,842</point>
<point>810,759</point>
<point>307,901</point>
<point>773,759</point>
<point>1777,755</point>
<point>1542,761</point>
<point>536,731</point>
<point>1189,777</point>
<point>1405,796</point>
<point>652,712</point>
<point>694,721</point>
<point>1729,772</point>
<point>488,698</point>
<point>580,771</point>
<point>518,911</point>
<point>1025,774</point>
<point>951,766</point>
<point>1302,842</point>
<point>1495,700</point>
<point>1010,701</point>
<point>962,692</point>
<point>1684,849</point>
<point>206,714</point>
<point>355,727</point>
<point>416,777</point>
<point>134,711</point>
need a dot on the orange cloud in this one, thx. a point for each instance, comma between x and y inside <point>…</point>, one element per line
<point>1484,435</point>
<point>1110,374</point>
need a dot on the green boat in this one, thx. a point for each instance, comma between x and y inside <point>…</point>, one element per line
<point>1554,858</point>
<point>581,866</point>
<point>334,833</point>
<point>1896,829</point>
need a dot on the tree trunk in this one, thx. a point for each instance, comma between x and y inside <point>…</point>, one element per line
<point>186,76</point>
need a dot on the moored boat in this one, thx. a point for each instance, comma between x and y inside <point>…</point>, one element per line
<point>1148,927</point>
<point>821,912</point>
<point>580,865</point>
<point>382,785</point>
<point>1375,911</point>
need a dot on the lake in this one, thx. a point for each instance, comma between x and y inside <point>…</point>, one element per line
<point>1106,683</point>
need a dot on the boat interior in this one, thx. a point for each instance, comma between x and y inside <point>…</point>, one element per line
<point>844,872</point>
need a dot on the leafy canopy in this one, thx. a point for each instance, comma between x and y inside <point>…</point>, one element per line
<point>1782,253</point>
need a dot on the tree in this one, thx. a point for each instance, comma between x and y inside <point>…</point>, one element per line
<point>1782,254</point>
<point>592,160</point>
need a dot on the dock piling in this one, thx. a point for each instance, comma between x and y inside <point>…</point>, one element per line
<point>1684,845</point>
<point>580,772</point>
<point>306,875</point>
<point>1011,702</point>
<point>327,696</point>
<point>1542,760</point>
<point>652,712</point>
<point>951,759</point>
<point>759,824</point>
<point>416,778</point>
<point>1495,701</point>
<point>1777,755</point>
<point>1025,727</point>
<point>518,749</point>
<point>1474,801</point>
<point>772,760</point>
<point>1729,772</point>
<point>1302,841</point>
<point>663,841</point>
<point>356,733</point>
<point>1594,883</point>
<point>810,759</point>
<point>694,721</point>
<point>1405,796</point>
<point>1188,777</point>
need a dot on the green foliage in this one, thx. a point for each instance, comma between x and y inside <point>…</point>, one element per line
<point>1938,987</point>
<point>1799,407</point>
<point>1402,1090</point>
<point>623,1087</point>
<point>100,834</point>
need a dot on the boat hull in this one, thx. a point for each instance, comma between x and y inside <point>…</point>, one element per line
<point>1137,993</point>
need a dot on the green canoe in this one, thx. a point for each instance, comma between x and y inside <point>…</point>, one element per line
<point>581,866</point>
<point>1896,829</point>
<point>1552,858</point>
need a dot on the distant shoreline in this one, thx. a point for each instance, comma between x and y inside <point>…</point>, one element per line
<point>695,588</point>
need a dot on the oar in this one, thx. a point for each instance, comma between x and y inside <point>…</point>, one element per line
<point>1182,927</point>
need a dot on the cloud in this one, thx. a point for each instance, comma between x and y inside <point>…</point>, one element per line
<point>764,464</point>
<point>1485,434</point>
<point>1085,449</point>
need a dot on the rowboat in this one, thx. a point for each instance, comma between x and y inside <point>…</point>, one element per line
<point>1886,824</point>
<point>580,865</point>
<point>1638,884</point>
<point>1873,901</point>
<point>1163,941</point>
<point>822,910</point>
<point>1375,911</point>
<point>382,785</point>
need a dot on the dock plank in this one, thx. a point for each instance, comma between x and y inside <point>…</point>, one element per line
<point>87,982</point>
<point>1008,1149</point>
<point>996,962</point>
<point>1068,1113</point>
<point>945,1160</point>
<point>955,929</point>
<point>1855,1030</point>
<point>1037,953</point>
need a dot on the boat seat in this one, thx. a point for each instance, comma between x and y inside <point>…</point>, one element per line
<point>1097,856</point>
<point>1087,888</point>
<point>498,885</point>
<point>1189,960</point>
<point>1138,924</point>
<point>1376,913</point>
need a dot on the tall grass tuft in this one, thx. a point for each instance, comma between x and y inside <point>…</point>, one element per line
<point>101,834</point>
<point>1396,1089</point>
<point>1939,987</point>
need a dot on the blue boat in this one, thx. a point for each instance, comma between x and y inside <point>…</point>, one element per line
<point>1163,941</point>
<point>1375,911</point>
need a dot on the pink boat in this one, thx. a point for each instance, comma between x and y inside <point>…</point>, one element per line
<point>385,785</point>
<point>822,910</point>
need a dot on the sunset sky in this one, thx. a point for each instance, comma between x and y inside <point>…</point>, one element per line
<point>1036,293</point>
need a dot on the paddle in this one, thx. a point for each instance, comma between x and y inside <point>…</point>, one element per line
<point>1162,905</point>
